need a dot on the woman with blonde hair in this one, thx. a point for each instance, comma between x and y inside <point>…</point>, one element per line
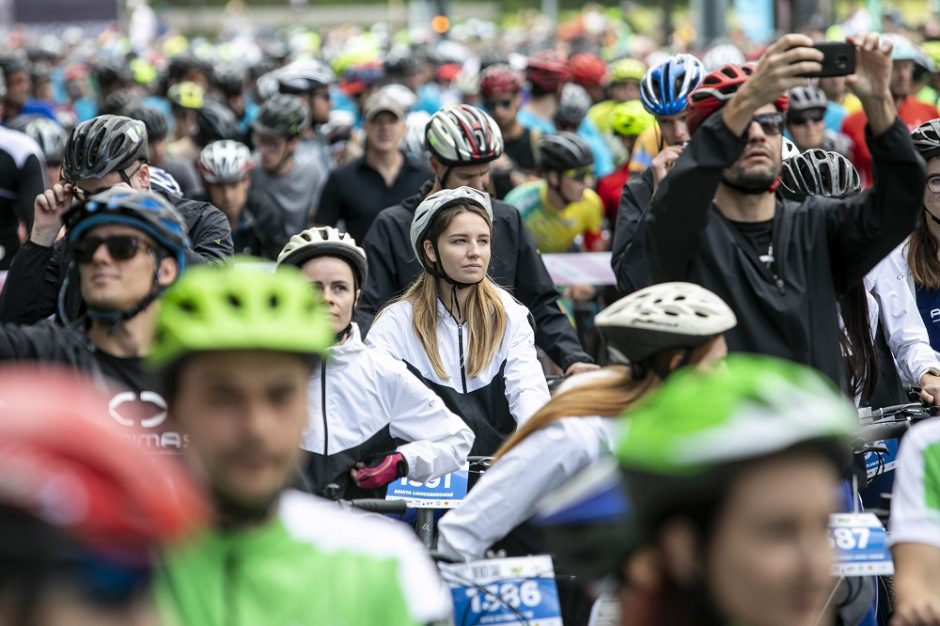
<point>461,334</point>
<point>649,335</point>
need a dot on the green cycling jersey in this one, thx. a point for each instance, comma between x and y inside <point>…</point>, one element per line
<point>313,564</point>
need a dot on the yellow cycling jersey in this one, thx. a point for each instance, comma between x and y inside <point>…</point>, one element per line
<point>553,230</point>
<point>645,149</point>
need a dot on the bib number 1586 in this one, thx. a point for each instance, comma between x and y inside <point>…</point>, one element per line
<point>514,594</point>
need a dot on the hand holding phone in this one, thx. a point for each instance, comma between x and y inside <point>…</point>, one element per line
<point>838,59</point>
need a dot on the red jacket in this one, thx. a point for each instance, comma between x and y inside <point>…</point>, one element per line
<point>912,112</point>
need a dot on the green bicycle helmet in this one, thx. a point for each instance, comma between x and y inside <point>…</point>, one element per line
<point>240,307</point>
<point>630,119</point>
<point>680,447</point>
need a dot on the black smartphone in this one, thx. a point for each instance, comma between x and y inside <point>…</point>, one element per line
<point>838,59</point>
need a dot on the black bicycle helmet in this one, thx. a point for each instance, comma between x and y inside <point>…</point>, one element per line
<point>284,115</point>
<point>230,80</point>
<point>116,102</point>
<point>806,98</point>
<point>110,71</point>
<point>819,173</point>
<point>563,151</point>
<point>152,117</point>
<point>926,138</point>
<point>102,145</point>
<point>215,122</point>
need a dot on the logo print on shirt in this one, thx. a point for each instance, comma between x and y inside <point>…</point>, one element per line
<point>145,412</point>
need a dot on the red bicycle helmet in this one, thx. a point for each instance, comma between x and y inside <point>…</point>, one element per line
<point>499,78</point>
<point>588,70</point>
<point>717,88</point>
<point>64,462</point>
<point>546,71</point>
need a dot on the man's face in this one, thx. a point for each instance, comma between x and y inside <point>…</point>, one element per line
<point>759,165</point>
<point>111,282</point>
<point>274,150</point>
<point>245,413</point>
<point>156,150</point>
<point>625,91</point>
<point>833,87</point>
<point>138,177</point>
<point>808,129</point>
<point>384,131</point>
<point>673,127</point>
<point>476,176</point>
<point>319,103</point>
<point>902,74</point>
<point>185,122</point>
<point>229,198</point>
<point>503,106</point>
<point>17,88</point>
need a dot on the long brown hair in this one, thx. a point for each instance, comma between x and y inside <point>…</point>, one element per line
<point>922,256</point>
<point>857,344</point>
<point>485,315</point>
<point>606,397</point>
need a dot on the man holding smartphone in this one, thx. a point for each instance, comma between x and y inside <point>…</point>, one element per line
<point>716,221</point>
<point>912,111</point>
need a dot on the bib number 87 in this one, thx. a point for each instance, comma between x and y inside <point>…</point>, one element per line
<point>493,597</point>
<point>846,539</point>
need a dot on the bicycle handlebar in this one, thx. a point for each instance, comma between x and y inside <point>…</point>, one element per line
<point>378,505</point>
<point>891,429</point>
<point>916,410</point>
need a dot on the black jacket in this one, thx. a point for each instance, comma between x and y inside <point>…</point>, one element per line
<point>131,386</point>
<point>262,231</point>
<point>628,257</point>
<point>32,286</point>
<point>515,265</point>
<point>822,246</point>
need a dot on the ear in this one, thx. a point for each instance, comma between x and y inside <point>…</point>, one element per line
<point>168,272</point>
<point>436,167</point>
<point>675,360</point>
<point>552,178</point>
<point>144,175</point>
<point>429,251</point>
<point>680,551</point>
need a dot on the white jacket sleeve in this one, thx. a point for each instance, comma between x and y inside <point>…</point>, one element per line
<point>439,440</point>
<point>903,327</point>
<point>526,389</point>
<point>509,491</point>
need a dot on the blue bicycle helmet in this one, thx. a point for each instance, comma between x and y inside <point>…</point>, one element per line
<point>161,181</point>
<point>665,87</point>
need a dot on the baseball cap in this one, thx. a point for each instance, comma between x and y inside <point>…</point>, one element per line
<point>383,100</point>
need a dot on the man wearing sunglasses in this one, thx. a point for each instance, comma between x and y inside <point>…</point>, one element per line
<point>562,206</point>
<point>781,265</point>
<point>125,247</point>
<point>806,121</point>
<point>102,153</point>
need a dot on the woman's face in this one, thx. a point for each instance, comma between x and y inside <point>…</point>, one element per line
<point>932,198</point>
<point>769,558</point>
<point>464,247</point>
<point>336,282</point>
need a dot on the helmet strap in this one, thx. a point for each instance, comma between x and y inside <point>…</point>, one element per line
<point>117,318</point>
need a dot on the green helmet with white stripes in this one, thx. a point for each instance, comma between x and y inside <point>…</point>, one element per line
<point>684,441</point>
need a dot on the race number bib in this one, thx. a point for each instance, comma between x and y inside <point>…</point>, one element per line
<point>445,492</point>
<point>517,590</point>
<point>860,544</point>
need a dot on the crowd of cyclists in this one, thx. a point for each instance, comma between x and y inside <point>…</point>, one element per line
<point>242,290</point>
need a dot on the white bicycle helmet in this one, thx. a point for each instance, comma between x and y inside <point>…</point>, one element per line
<point>49,134</point>
<point>434,204</point>
<point>662,317</point>
<point>304,76</point>
<point>806,98</point>
<point>325,241</point>
<point>721,55</point>
<point>224,161</point>
<point>788,149</point>
<point>163,182</point>
<point>461,134</point>
<point>413,141</point>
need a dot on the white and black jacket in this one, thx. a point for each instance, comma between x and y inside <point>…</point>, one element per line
<point>508,391</point>
<point>364,404</point>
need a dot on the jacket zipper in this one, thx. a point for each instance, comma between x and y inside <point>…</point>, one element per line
<point>463,371</point>
<point>326,427</point>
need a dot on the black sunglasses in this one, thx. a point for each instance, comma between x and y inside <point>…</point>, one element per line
<point>492,105</point>
<point>120,247</point>
<point>770,123</point>
<point>802,120</point>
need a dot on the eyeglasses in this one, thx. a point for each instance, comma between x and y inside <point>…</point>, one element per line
<point>120,247</point>
<point>770,123</point>
<point>933,183</point>
<point>81,194</point>
<point>809,118</point>
<point>579,173</point>
<point>492,105</point>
